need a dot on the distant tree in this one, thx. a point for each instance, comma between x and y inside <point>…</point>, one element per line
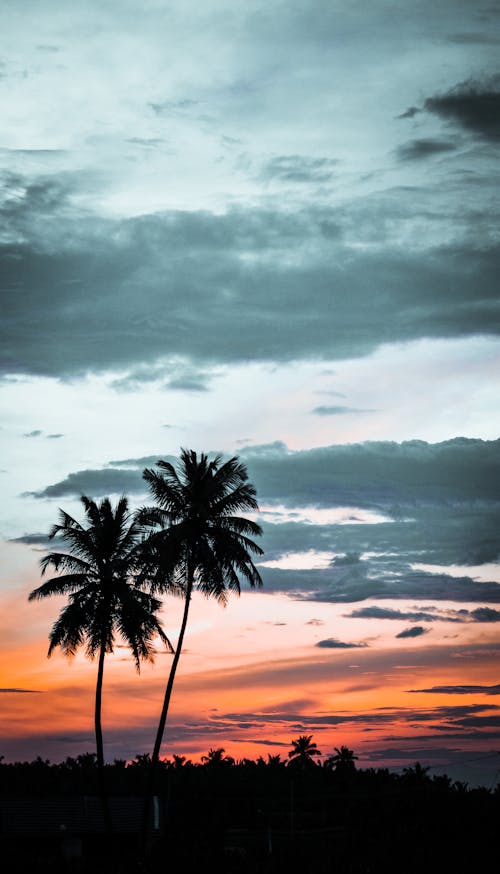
<point>416,775</point>
<point>101,573</point>
<point>343,762</point>
<point>302,752</point>
<point>275,761</point>
<point>216,758</point>
<point>181,762</point>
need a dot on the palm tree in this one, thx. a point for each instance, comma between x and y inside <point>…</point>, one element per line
<point>302,752</point>
<point>216,758</point>
<point>102,571</point>
<point>343,762</point>
<point>197,540</point>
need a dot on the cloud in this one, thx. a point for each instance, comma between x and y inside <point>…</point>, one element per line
<point>172,107</point>
<point>349,588</point>
<point>188,383</point>
<point>430,614</point>
<point>333,643</point>
<point>439,500</point>
<point>472,104</point>
<point>461,690</point>
<point>54,436</point>
<point>339,411</point>
<point>174,375</point>
<point>389,613</point>
<point>106,294</point>
<point>298,169</point>
<point>34,539</point>
<point>21,691</point>
<point>364,475</point>
<point>94,483</point>
<point>36,433</point>
<point>376,473</point>
<point>485,614</point>
<point>416,631</point>
<point>416,150</point>
<point>410,112</point>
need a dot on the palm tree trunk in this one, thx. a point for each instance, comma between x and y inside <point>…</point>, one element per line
<point>99,743</point>
<point>164,712</point>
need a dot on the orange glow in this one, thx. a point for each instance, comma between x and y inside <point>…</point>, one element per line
<point>246,683</point>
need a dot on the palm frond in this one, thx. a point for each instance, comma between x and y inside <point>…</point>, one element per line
<point>63,585</point>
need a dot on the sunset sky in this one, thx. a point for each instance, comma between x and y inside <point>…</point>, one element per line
<point>267,229</point>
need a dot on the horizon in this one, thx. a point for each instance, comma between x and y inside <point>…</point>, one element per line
<point>265,231</point>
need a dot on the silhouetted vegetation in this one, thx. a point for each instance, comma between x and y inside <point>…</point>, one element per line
<point>248,815</point>
<point>273,814</point>
<point>104,576</point>
<point>196,540</point>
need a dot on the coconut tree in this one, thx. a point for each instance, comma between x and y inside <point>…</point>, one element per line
<point>101,573</point>
<point>217,758</point>
<point>198,539</point>
<point>343,762</point>
<point>302,752</point>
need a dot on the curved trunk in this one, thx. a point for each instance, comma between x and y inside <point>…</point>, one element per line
<point>164,712</point>
<point>98,740</point>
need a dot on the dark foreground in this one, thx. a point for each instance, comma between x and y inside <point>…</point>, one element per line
<point>247,818</point>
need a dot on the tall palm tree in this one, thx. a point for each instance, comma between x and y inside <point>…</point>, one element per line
<point>197,539</point>
<point>302,752</point>
<point>102,571</point>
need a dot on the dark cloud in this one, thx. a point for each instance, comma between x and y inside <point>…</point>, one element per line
<point>54,436</point>
<point>480,722</point>
<point>473,104</point>
<point>36,433</point>
<point>298,168</point>
<point>388,613</point>
<point>333,643</point>
<point>485,614</point>
<point>454,715</point>
<point>461,690</point>
<point>144,460</point>
<point>439,502</point>
<point>35,539</point>
<point>415,631</point>
<point>416,150</point>
<point>339,411</point>
<point>83,294</point>
<point>347,588</point>
<point>377,474</point>
<point>94,483</point>
<point>21,691</point>
<point>370,475</point>
<point>410,112</point>
<point>430,614</point>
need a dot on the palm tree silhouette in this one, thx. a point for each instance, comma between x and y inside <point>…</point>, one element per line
<point>343,762</point>
<point>197,540</point>
<point>101,574</point>
<point>302,752</point>
<point>217,758</point>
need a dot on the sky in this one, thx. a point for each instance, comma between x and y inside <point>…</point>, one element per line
<point>267,230</point>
